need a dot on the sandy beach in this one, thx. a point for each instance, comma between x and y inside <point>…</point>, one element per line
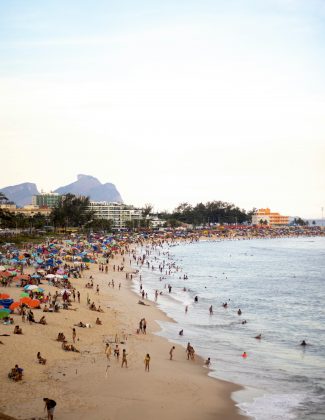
<point>87,385</point>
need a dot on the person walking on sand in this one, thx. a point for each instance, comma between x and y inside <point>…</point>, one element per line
<point>211,310</point>
<point>171,351</point>
<point>74,335</point>
<point>146,363</point>
<point>49,406</point>
<point>117,352</point>
<point>124,359</point>
<point>108,351</point>
<point>144,326</point>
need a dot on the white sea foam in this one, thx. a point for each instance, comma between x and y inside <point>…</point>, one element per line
<point>273,406</point>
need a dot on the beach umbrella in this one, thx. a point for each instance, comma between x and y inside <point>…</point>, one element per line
<point>30,287</point>
<point>21,277</point>
<point>50,276</point>
<point>38,290</point>
<point>34,303</point>
<point>4,296</point>
<point>24,294</point>
<point>35,276</point>
<point>2,268</point>
<point>14,305</point>
<point>25,300</point>
<point>4,313</point>
<point>5,273</point>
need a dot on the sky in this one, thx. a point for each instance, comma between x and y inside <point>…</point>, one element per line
<point>172,101</point>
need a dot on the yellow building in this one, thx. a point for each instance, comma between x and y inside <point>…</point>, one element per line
<point>271,219</point>
<point>28,210</point>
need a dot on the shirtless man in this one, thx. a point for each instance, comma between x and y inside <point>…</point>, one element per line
<point>171,351</point>
<point>124,359</point>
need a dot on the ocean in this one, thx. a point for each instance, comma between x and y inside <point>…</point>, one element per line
<point>279,285</point>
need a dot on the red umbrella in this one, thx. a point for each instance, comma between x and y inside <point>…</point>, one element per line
<point>5,273</point>
<point>4,296</point>
<point>22,277</point>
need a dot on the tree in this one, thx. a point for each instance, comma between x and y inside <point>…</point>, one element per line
<point>3,198</point>
<point>101,224</point>
<point>72,211</point>
<point>147,209</point>
<point>298,221</point>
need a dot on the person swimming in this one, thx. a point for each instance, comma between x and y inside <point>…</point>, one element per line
<point>259,336</point>
<point>181,332</point>
<point>303,343</point>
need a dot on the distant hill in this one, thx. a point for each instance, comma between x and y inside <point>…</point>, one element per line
<point>87,185</point>
<point>20,194</point>
<point>90,186</point>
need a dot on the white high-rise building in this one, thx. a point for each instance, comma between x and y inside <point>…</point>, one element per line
<point>118,213</point>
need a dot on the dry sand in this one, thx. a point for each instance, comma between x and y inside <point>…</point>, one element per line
<point>87,385</point>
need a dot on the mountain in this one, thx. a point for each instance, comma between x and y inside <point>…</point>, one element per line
<point>87,185</point>
<point>90,186</point>
<point>20,194</point>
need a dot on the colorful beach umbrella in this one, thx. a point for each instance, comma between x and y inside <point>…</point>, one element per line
<point>4,313</point>
<point>14,305</point>
<point>4,296</point>
<point>34,303</point>
<point>25,300</point>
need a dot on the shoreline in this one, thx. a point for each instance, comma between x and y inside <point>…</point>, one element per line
<point>79,383</point>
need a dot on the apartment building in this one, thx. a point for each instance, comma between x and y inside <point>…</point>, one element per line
<point>119,213</point>
<point>270,218</point>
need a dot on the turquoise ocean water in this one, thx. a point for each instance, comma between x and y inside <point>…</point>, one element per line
<point>279,285</point>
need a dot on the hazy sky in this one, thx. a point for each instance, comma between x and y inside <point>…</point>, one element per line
<point>172,101</point>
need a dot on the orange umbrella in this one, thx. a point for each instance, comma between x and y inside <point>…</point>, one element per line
<point>4,296</point>
<point>14,305</point>
<point>25,300</point>
<point>34,303</point>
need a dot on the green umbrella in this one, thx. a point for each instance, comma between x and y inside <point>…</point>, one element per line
<point>24,294</point>
<point>4,313</point>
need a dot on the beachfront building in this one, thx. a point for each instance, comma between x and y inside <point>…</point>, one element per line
<point>49,200</point>
<point>29,210</point>
<point>121,215</point>
<point>266,217</point>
